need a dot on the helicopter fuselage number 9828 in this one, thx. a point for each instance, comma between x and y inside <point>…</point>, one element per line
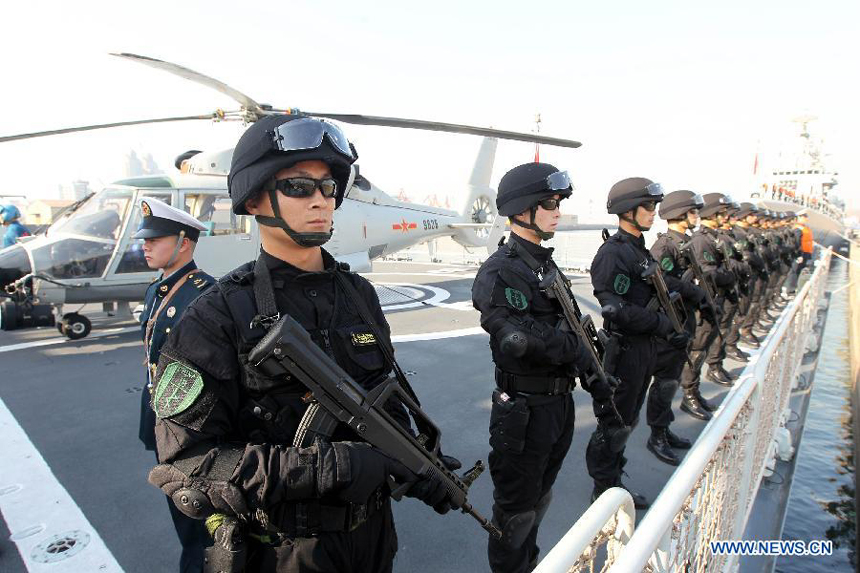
<point>430,224</point>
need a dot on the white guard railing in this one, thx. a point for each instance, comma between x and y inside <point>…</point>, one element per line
<point>710,495</point>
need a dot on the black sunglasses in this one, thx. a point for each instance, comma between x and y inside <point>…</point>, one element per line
<point>299,187</point>
<point>550,204</point>
<point>649,205</point>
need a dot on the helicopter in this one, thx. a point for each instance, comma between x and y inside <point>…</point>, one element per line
<point>88,255</point>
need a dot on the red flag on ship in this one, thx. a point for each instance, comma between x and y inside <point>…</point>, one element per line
<point>537,153</point>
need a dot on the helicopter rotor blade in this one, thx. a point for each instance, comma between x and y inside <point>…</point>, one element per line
<point>246,101</point>
<point>446,127</point>
<point>211,116</point>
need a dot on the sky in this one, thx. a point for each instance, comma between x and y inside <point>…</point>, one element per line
<point>683,93</point>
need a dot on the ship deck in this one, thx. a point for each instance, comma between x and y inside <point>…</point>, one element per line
<point>77,403</point>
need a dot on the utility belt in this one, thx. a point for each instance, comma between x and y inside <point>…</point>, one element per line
<point>533,384</point>
<point>309,518</point>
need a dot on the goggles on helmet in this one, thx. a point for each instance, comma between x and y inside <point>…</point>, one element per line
<point>559,181</point>
<point>308,133</point>
<point>697,199</point>
<point>305,187</point>
<point>654,190</point>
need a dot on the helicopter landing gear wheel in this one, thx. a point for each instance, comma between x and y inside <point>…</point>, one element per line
<point>60,322</point>
<point>75,326</point>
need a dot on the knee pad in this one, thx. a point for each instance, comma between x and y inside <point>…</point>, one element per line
<point>666,388</point>
<point>515,526</point>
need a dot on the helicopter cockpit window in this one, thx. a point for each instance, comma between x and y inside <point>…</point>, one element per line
<point>83,243</point>
<point>71,258</point>
<point>101,216</point>
<point>132,260</point>
<point>215,212</point>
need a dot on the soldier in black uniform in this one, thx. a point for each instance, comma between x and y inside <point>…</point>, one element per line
<point>734,262</point>
<point>169,236</point>
<point>616,274</point>
<point>225,430</point>
<point>532,418</point>
<point>740,220</point>
<point>681,210</point>
<point>712,255</point>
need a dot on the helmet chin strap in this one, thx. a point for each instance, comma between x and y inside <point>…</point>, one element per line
<point>301,239</point>
<point>634,222</point>
<point>542,235</point>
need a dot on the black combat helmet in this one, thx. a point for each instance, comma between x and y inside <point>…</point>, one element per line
<point>276,142</point>
<point>676,204</point>
<point>746,209</point>
<point>733,207</point>
<point>714,203</point>
<point>629,193</point>
<point>524,186</point>
<point>280,141</point>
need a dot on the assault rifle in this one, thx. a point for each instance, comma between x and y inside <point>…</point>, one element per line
<point>705,281</point>
<point>287,350</point>
<point>597,343</point>
<point>667,300</point>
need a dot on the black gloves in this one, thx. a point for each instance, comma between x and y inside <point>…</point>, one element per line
<point>732,296</point>
<point>602,391</point>
<point>709,313</point>
<point>678,339</point>
<point>369,468</point>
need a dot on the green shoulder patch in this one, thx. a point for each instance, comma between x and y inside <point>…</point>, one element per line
<point>667,264</point>
<point>516,298</point>
<point>177,389</point>
<point>708,256</point>
<point>621,283</point>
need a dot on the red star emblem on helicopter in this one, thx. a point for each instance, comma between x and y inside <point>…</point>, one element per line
<point>404,226</point>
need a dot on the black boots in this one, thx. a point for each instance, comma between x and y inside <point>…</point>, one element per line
<point>691,404</point>
<point>750,339</point>
<point>659,446</point>
<point>735,353</point>
<point>639,500</point>
<point>720,375</point>
<point>677,441</point>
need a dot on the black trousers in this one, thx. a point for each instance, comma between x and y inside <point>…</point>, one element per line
<point>524,471</point>
<point>706,337</point>
<point>733,330</point>
<point>370,548</point>
<point>717,350</point>
<point>670,364</point>
<point>192,536</point>
<point>667,377</point>
<point>636,365</point>
<point>757,288</point>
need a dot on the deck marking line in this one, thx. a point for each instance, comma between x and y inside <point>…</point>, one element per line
<point>439,335</point>
<point>42,500</point>
<point>62,339</point>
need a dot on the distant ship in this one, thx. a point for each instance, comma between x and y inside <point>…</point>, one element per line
<point>800,182</point>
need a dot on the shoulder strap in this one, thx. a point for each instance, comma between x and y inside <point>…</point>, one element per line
<point>367,317</point>
<point>264,294</point>
<point>526,256</point>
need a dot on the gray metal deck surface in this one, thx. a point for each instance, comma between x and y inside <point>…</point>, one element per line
<point>79,402</point>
